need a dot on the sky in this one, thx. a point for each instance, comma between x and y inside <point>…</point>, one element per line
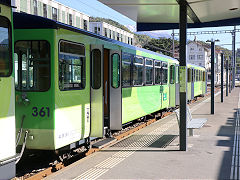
<point>97,9</point>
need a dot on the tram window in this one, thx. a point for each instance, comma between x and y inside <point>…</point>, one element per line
<point>32,65</point>
<point>198,75</point>
<point>157,72</point>
<point>72,74</point>
<point>192,75</point>
<point>189,75</point>
<point>138,71</point>
<point>149,71</point>
<point>115,70</point>
<point>195,75</point>
<point>164,73</point>
<point>204,76</point>
<point>96,69</point>
<point>5,48</point>
<point>172,74</point>
<point>126,70</point>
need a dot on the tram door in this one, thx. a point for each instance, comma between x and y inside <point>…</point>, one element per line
<point>192,83</point>
<point>106,87</point>
<point>172,86</point>
<point>112,89</point>
<point>115,90</point>
<point>97,108</point>
<point>177,86</point>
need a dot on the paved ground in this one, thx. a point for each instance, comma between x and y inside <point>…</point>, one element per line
<point>153,152</point>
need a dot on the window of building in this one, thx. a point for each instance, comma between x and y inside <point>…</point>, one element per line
<point>191,49</point>
<point>115,70</point>
<point>105,32</point>
<point>149,71</point>
<point>95,30</point>
<point>191,57</point>
<point>118,36</point>
<point>45,10</point>
<point>54,14</point>
<point>114,36</point>
<point>200,56</point>
<point>126,69</point>
<point>200,64</point>
<point>200,49</point>
<point>5,47</point>
<point>72,74</point>
<point>85,25</point>
<point>32,65</point>
<point>138,71</point>
<point>70,20</point>
<point>96,69</point>
<point>35,7</point>
<point>157,66</point>
<point>164,73</point>
<point>110,32</point>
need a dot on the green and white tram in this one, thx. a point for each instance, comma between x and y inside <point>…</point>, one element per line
<point>7,94</point>
<point>72,84</point>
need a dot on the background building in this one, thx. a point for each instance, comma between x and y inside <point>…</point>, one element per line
<point>112,32</point>
<point>54,10</point>
<point>199,54</point>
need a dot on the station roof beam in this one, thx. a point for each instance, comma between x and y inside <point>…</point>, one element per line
<point>164,14</point>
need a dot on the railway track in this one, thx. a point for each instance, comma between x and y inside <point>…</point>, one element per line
<point>56,166</point>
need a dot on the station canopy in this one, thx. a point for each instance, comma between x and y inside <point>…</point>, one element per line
<point>164,14</point>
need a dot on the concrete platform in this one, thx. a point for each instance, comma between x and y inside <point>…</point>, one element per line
<point>153,152</point>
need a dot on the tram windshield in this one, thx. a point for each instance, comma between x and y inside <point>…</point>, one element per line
<point>5,48</point>
<point>32,65</point>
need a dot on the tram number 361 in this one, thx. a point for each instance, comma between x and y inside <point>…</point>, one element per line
<point>43,111</point>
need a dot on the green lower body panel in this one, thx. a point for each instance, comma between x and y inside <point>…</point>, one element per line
<point>140,101</point>
<point>42,139</point>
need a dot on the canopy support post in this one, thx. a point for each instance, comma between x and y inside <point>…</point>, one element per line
<point>183,84</point>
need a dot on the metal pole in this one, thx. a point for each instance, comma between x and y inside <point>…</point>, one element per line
<point>212,75</point>
<point>230,73</point>
<point>221,77</point>
<point>227,78</point>
<point>183,84</point>
<point>173,44</point>
<point>234,56</point>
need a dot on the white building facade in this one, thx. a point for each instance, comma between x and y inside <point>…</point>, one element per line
<point>197,54</point>
<point>53,10</point>
<point>200,55</point>
<point>112,32</point>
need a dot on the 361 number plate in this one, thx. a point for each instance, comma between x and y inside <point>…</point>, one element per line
<point>42,112</point>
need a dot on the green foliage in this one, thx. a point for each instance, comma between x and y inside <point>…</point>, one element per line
<point>109,21</point>
<point>141,40</point>
<point>162,45</point>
